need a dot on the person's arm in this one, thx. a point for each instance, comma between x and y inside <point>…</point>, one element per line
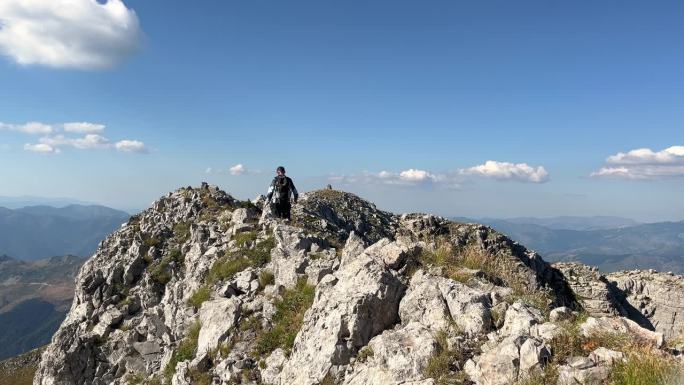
<point>294,191</point>
<point>269,194</point>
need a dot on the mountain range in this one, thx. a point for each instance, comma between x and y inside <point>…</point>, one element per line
<point>610,243</point>
<point>36,232</point>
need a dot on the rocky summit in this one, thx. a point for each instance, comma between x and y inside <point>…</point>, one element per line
<point>202,288</point>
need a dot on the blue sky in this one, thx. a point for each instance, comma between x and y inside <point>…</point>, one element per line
<point>403,103</point>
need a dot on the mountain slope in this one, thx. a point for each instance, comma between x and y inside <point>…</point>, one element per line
<point>202,288</point>
<point>648,246</point>
<point>73,229</point>
<point>34,299</point>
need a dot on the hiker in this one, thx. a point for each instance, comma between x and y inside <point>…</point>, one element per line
<point>279,194</point>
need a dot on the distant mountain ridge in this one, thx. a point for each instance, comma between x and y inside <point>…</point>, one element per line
<point>576,223</point>
<point>651,245</point>
<point>15,202</point>
<point>36,232</point>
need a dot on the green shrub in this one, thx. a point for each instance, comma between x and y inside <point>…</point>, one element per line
<point>151,241</point>
<point>199,297</point>
<point>229,265</point>
<point>159,272</point>
<point>181,232</point>
<point>287,320</point>
<point>177,256</point>
<point>226,267</point>
<point>186,350</point>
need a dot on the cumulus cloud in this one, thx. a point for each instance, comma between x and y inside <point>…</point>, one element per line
<point>238,169</point>
<point>410,177</point>
<point>34,128</point>
<point>131,146</point>
<point>78,135</point>
<point>452,179</point>
<point>235,170</point>
<point>41,148</point>
<point>520,172</point>
<point>644,163</point>
<point>90,141</point>
<point>84,127</point>
<point>80,34</point>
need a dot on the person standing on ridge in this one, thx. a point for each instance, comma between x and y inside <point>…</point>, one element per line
<point>279,194</point>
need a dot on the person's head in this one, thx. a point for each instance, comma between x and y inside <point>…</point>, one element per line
<point>280,170</point>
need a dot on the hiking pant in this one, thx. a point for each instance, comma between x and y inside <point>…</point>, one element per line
<point>282,209</point>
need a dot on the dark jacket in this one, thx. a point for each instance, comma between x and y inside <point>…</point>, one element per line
<point>287,190</point>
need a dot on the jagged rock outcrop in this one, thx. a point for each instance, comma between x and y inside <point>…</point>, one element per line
<point>659,297</point>
<point>653,300</point>
<point>202,288</point>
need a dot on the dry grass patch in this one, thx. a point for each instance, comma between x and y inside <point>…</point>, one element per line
<point>444,366</point>
<point>500,270</point>
<point>646,365</point>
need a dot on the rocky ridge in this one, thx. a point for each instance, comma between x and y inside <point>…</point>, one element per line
<point>204,289</point>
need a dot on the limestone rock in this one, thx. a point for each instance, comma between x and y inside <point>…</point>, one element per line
<point>512,359</point>
<point>351,306</point>
<point>519,319</point>
<point>395,357</point>
<point>654,300</point>
<point>621,325</point>
<point>562,313</point>
<point>425,303</point>
<point>217,318</point>
<point>596,294</point>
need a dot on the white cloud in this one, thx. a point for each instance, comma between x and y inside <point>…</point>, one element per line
<point>41,148</point>
<point>81,34</point>
<point>32,128</point>
<point>238,169</point>
<point>410,177</point>
<point>644,163</point>
<point>84,127</point>
<point>452,179</point>
<point>131,146</point>
<point>78,135</point>
<point>520,172</point>
<point>641,156</point>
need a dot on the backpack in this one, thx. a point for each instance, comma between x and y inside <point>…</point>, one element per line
<point>282,189</point>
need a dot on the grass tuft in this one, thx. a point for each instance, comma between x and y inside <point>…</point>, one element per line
<point>266,278</point>
<point>646,366</point>
<point>199,297</point>
<point>287,320</point>
<point>443,366</point>
<point>186,350</point>
<point>499,269</point>
<point>243,239</point>
<point>181,232</point>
